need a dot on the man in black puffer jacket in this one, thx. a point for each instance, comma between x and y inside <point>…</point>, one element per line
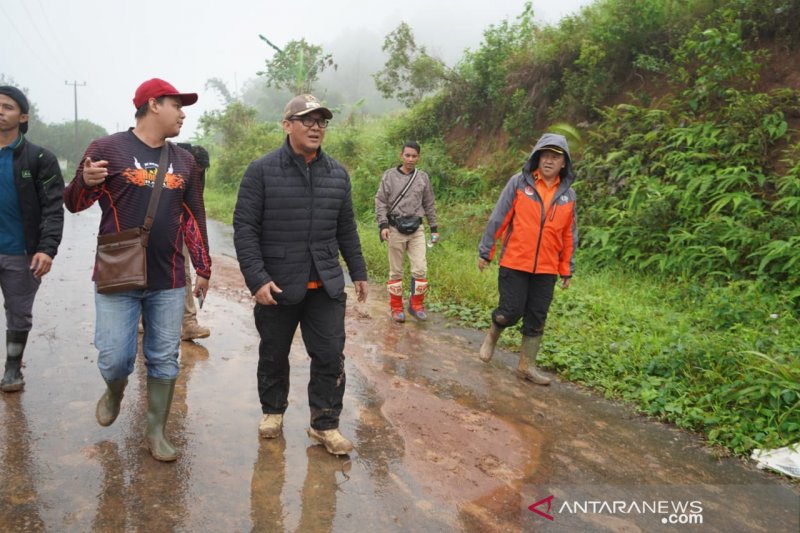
<point>293,217</point>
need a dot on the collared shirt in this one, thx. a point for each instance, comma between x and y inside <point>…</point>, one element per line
<point>12,234</point>
<point>546,191</point>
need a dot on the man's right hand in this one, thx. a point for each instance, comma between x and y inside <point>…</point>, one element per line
<point>94,173</point>
<point>264,294</point>
<point>482,263</point>
<point>385,234</point>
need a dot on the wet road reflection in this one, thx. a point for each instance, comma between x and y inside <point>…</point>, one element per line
<point>266,489</point>
<point>19,500</point>
<point>324,474</point>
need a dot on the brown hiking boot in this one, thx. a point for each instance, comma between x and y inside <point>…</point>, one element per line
<point>193,330</point>
<point>332,439</point>
<point>271,426</point>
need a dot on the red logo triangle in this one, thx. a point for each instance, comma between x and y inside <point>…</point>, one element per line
<point>548,501</point>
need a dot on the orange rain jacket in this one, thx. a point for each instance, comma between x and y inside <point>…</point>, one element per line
<point>538,239</point>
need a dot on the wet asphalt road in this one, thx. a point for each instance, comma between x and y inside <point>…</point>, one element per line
<point>442,441</point>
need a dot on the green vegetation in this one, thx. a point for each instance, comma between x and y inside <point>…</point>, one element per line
<point>687,293</point>
<point>410,73</point>
<point>296,66</point>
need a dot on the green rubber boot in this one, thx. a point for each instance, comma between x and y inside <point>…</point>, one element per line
<point>489,343</point>
<point>108,404</point>
<point>527,354</point>
<point>159,400</point>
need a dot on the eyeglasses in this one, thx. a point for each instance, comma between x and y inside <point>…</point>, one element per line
<point>310,121</point>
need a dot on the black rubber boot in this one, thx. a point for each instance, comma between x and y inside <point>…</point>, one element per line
<point>15,346</point>
<point>108,404</point>
<point>159,400</point>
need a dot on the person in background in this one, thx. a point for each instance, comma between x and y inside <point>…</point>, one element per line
<point>536,217</point>
<point>293,216</point>
<point>404,195</point>
<point>31,225</point>
<point>191,329</point>
<point>119,172</point>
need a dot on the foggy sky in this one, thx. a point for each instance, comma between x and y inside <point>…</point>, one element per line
<point>114,45</point>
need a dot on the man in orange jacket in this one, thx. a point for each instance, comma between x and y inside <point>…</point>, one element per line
<point>536,211</point>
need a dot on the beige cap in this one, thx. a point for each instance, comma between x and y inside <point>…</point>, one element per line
<point>302,105</point>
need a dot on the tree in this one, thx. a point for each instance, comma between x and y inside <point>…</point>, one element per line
<point>409,73</point>
<point>60,138</point>
<point>221,88</point>
<point>238,138</point>
<point>296,67</point>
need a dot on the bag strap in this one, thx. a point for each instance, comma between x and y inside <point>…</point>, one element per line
<point>157,187</point>
<point>403,192</point>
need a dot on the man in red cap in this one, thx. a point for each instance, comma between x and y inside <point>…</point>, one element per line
<point>536,217</point>
<point>119,172</point>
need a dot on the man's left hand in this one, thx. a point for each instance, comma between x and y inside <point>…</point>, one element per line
<point>201,286</point>
<point>362,288</point>
<point>40,264</point>
<point>565,282</point>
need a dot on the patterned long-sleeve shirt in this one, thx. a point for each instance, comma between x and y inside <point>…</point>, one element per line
<point>125,194</point>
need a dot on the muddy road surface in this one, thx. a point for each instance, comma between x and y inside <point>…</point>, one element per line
<point>442,441</point>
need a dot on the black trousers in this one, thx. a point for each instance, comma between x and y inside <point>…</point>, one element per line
<point>321,320</point>
<point>524,295</point>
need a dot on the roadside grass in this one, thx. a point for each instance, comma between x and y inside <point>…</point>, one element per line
<point>219,204</point>
<point>663,347</point>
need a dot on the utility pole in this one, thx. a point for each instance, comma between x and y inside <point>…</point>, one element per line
<point>75,86</point>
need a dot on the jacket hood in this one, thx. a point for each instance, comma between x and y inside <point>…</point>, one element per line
<point>550,139</point>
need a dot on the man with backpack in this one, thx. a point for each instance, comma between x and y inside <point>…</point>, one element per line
<point>31,224</point>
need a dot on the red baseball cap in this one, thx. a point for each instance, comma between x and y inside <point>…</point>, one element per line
<point>156,88</point>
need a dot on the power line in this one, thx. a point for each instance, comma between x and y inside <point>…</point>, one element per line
<point>54,36</point>
<point>33,25</point>
<point>27,47</point>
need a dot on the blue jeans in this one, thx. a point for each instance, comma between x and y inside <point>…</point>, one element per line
<point>115,334</point>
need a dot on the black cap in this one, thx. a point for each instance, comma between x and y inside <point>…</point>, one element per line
<point>19,97</point>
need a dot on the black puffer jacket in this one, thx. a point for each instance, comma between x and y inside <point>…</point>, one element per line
<point>291,216</point>
<point>40,187</point>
